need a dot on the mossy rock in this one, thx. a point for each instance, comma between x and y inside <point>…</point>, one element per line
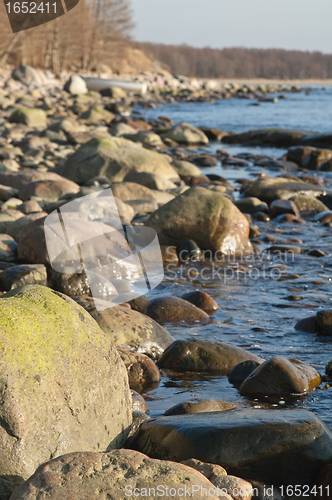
<point>113,158</point>
<point>33,117</point>
<point>63,385</point>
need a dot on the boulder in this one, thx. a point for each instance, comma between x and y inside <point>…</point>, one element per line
<point>63,383</point>
<point>185,168</point>
<point>49,190</point>
<point>126,191</point>
<point>281,138</point>
<point>96,115</point>
<point>279,447</point>
<point>120,473</point>
<point>269,189</point>
<point>281,207</point>
<point>7,192</point>
<point>152,181</point>
<point>16,228</point>
<point>28,75</point>
<point>240,372</point>
<point>204,356</point>
<point>32,248</point>
<point>7,218</point>
<point>145,137</point>
<point>126,327</point>
<point>187,134</point>
<point>120,129</point>
<point>174,309</point>
<point>207,217</point>
<point>309,158</point>
<point>25,274</point>
<point>202,300</point>
<point>75,85</point>
<point>308,205</point>
<point>200,406</point>
<point>251,205</point>
<point>19,180</point>
<point>113,158</point>
<point>32,117</point>
<point>321,323</point>
<point>29,207</point>
<point>280,376</point>
<point>142,371</point>
<point>70,284</point>
<point>8,248</point>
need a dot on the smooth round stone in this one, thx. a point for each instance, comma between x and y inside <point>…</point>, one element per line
<point>280,207</point>
<point>203,356</point>
<point>174,309</point>
<point>308,325</point>
<point>317,253</point>
<point>200,406</point>
<point>241,371</point>
<point>202,300</point>
<point>280,377</point>
<point>324,321</point>
<point>190,250</point>
<point>142,371</point>
<point>208,470</point>
<point>284,249</point>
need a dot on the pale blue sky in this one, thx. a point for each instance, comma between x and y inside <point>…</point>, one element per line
<point>290,24</point>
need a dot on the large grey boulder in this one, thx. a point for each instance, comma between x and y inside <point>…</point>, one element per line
<point>113,158</point>
<point>63,385</point>
<point>279,447</point>
<point>205,216</point>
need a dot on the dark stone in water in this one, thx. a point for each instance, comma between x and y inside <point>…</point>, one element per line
<point>202,300</point>
<point>280,377</point>
<point>279,447</point>
<point>324,321</point>
<point>174,309</point>
<point>200,406</point>
<point>241,371</point>
<point>204,356</point>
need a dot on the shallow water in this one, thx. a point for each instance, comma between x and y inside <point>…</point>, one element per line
<point>255,312</point>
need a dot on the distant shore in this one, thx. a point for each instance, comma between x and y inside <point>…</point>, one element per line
<point>258,81</point>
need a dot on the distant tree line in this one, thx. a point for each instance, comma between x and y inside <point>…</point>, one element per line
<point>240,62</point>
<point>95,32</point>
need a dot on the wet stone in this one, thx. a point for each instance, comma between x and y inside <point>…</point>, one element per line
<point>202,300</point>
<point>200,406</point>
<point>174,309</point>
<point>241,371</point>
<point>139,403</point>
<point>280,377</point>
<point>204,356</point>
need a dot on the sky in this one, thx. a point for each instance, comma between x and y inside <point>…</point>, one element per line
<point>288,24</point>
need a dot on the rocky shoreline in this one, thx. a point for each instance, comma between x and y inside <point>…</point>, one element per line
<point>74,412</point>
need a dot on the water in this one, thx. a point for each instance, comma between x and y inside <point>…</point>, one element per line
<point>255,311</point>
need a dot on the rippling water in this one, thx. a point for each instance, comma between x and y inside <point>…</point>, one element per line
<point>255,311</point>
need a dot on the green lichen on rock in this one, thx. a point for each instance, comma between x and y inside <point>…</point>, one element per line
<point>63,385</point>
<point>33,117</point>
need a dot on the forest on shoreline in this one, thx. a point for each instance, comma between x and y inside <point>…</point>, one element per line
<point>239,62</point>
